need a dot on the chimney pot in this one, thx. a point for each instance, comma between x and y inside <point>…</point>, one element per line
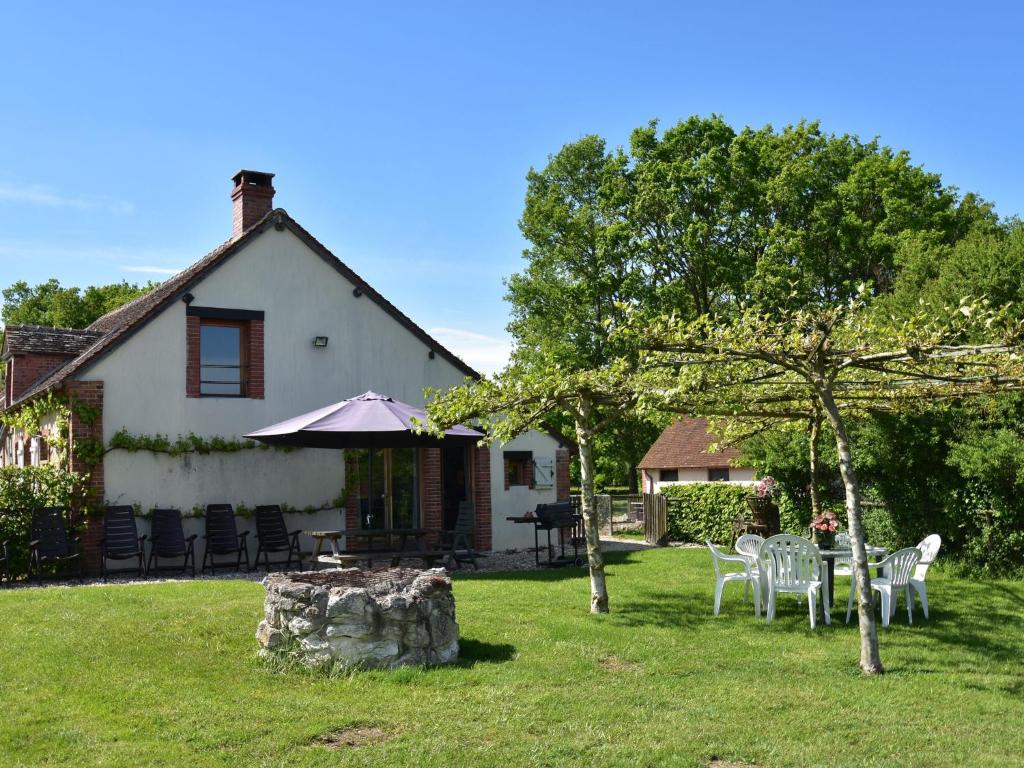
<point>253,198</point>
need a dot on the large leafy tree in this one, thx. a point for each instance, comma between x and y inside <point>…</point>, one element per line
<point>842,361</point>
<point>52,304</point>
<point>579,277</point>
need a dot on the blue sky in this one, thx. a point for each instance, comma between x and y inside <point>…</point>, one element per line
<point>400,134</point>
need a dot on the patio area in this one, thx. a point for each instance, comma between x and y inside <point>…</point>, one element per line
<point>169,671</point>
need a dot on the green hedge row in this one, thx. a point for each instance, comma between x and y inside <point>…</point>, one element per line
<point>700,511</point>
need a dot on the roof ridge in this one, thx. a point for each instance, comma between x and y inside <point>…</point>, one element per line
<point>110,333</point>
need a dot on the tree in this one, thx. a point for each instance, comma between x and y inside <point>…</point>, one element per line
<point>580,272</point>
<point>51,304</point>
<point>842,360</point>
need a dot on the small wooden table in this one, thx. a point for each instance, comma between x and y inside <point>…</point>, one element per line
<point>367,553</point>
<point>830,556</point>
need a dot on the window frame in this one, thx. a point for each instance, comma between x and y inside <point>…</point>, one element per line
<point>243,355</point>
<point>722,472</point>
<point>662,475</point>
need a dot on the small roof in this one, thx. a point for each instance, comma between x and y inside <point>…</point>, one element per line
<point>684,445</point>
<point>367,421</point>
<point>42,339</point>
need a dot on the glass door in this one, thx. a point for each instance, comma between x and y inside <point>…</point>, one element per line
<point>387,484</point>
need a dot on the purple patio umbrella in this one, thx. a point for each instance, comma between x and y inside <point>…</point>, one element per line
<point>367,421</point>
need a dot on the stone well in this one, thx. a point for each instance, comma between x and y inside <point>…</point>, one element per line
<point>361,618</point>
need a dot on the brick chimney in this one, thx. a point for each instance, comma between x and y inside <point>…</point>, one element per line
<point>253,198</point>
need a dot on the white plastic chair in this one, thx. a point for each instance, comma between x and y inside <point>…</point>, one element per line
<point>793,564</point>
<point>748,545</point>
<point>843,563</point>
<point>898,567</point>
<point>748,575</point>
<point>929,550</point>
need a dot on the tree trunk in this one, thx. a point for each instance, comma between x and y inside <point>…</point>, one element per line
<point>815,439</point>
<point>634,484</point>
<point>585,440</point>
<point>870,661</point>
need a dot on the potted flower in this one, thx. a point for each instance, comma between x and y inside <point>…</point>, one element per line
<point>762,504</point>
<point>823,529</point>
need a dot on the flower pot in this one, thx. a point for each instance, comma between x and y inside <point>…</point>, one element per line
<point>765,513</point>
<point>825,539</point>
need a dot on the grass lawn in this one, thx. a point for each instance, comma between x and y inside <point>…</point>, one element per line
<point>166,674</point>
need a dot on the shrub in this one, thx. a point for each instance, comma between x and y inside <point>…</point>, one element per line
<point>699,511</point>
<point>23,489</point>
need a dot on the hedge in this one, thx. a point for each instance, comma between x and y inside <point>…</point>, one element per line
<point>700,511</point>
<point>23,489</point>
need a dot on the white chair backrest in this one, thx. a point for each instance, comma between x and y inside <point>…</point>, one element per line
<point>929,551</point>
<point>749,544</point>
<point>792,561</point>
<point>843,542</point>
<point>900,565</point>
<point>716,555</point>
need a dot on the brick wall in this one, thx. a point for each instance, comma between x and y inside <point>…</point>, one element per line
<point>481,461</point>
<point>25,370</point>
<point>90,393</point>
<point>192,356</point>
<point>562,474</point>
<point>431,503</point>
<point>255,383</point>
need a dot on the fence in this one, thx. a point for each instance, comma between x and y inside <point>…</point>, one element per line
<point>655,518</point>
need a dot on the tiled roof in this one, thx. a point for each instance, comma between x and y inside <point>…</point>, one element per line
<point>42,339</point>
<point>114,327</point>
<point>683,445</point>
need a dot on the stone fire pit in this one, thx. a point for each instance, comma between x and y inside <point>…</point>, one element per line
<point>377,618</point>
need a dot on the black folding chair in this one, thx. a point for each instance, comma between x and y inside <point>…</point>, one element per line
<point>459,540</point>
<point>5,566</point>
<point>274,536</point>
<point>222,538</point>
<point>121,540</point>
<point>51,545</point>
<point>167,539</point>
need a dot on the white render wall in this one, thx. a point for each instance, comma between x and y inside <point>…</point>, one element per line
<point>301,296</point>
<point>737,476</point>
<point>518,499</point>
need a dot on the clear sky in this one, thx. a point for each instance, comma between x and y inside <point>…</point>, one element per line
<point>400,133</point>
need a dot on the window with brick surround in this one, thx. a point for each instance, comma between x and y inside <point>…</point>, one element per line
<point>224,353</point>
<point>223,357</point>
<point>518,468</point>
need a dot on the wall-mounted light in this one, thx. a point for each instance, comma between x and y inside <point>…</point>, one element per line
<point>357,292</point>
<point>430,354</point>
<point>188,298</point>
<point>319,341</point>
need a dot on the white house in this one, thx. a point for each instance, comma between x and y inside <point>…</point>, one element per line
<point>268,325</point>
<point>681,455</point>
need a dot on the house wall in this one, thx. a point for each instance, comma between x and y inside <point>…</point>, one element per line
<point>301,296</point>
<point>518,499</point>
<point>737,475</point>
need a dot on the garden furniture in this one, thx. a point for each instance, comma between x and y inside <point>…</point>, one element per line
<point>929,550</point>
<point>50,543</point>
<point>5,568</point>
<point>748,575</point>
<point>121,540</point>
<point>562,517</point>
<point>749,545</point>
<point>222,538</point>
<point>459,540</point>
<point>364,546</point>
<point>842,556</point>
<point>273,536</point>
<point>898,568</point>
<point>167,539</point>
<point>793,564</point>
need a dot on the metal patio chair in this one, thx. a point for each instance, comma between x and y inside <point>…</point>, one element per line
<point>222,538</point>
<point>273,535</point>
<point>121,540</point>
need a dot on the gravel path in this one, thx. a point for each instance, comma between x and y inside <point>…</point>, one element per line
<point>510,560</point>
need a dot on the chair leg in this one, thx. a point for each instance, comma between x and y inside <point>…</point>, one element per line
<point>718,595</point>
<point>886,596</point>
<point>770,613</point>
<point>757,600</point>
<point>910,604</point>
<point>922,592</point>
<point>812,606</point>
